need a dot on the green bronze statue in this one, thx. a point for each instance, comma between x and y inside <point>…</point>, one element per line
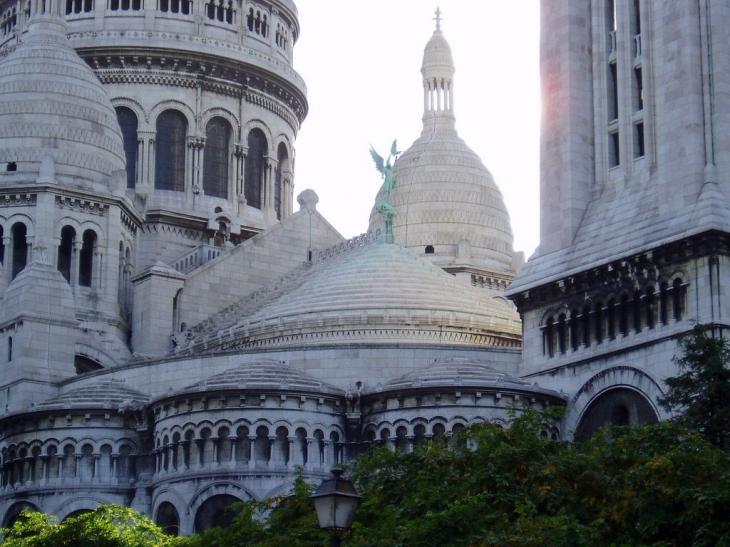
<point>382,202</point>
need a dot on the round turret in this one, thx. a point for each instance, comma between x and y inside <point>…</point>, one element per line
<point>57,121</point>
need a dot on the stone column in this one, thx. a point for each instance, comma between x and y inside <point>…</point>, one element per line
<point>252,454</point>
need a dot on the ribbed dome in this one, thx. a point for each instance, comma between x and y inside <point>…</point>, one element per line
<point>379,293</point>
<point>437,61</point>
<point>456,371</point>
<point>52,104</point>
<point>444,197</point>
<point>103,394</point>
<point>264,374</point>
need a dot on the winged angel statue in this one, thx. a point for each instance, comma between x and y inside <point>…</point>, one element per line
<point>382,202</point>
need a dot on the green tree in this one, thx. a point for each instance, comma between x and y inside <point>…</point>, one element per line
<point>660,486</point>
<point>107,526</point>
<point>701,392</point>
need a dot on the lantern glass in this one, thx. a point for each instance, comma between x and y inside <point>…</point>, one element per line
<point>336,502</point>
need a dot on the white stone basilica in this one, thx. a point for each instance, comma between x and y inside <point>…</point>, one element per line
<point>175,337</point>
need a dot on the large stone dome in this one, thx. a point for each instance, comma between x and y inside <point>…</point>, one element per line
<point>52,105</point>
<point>447,205</point>
<point>375,294</point>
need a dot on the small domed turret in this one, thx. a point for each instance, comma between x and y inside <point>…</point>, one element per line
<point>53,106</point>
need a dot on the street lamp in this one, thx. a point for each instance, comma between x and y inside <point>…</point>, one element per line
<point>336,501</point>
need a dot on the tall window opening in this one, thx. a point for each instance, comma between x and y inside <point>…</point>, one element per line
<point>638,88</point>
<point>612,89</point>
<point>170,151</point>
<point>614,152</point>
<point>282,167</point>
<point>65,252</point>
<point>639,147</point>
<point>2,246</point>
<point>255,168</point>
<point>20,248</point>
<point>215,158</point>
<point>128,123</point>
<point>611,15</point>
<point>86,259</point>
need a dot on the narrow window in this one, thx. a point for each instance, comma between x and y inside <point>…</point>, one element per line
<point>282,168</point>
<point>255,168</point>
<point>65,252</point>
<point>650,308</point>
<point>598,328</point>
<point>170,151</point>
<point>614,152</point>
<point>611,15</point>
<point>429,249</point>
<point>562,334</point>
<point>20,248</point>
<point>574,335</point>
<point>549,338</point>
<point>638,325</point>
<point>86,259</point>
<point>128,123</point>
<point>663,303</point>
<point>611,319</point>
<point>623,318</point>
<point>639,149</point>
<point>637,16</point>
<point>612,92</point>
<point>639,89</point>
<point>10,348</point>
<point>2,246</point>
<point>215,158</point>
<point>586,326</point>
<point>677,299</point>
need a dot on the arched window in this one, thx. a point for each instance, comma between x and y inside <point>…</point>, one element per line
<point>255,168</point>
<point>168,518</point>
<point>20,248</point>
<point>86,260</point>
<point>170,151</point>
<point>677,299</point>
<point>128,123</point>
<point>215,158</point>
<point>562,334</point>
<point>282,167</point>
<point>65,251</point>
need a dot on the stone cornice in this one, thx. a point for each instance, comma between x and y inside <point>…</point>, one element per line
<point>184,68</point>
<point>630,271</point>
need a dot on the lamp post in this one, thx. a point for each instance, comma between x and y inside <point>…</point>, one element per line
<point>335,502</point>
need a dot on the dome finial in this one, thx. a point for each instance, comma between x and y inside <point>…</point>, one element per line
<point>438,18</point>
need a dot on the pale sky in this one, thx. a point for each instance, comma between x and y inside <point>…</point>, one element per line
<point>361,61</point>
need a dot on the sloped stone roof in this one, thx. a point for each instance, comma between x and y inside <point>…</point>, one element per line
<point>456,371</point>
<point>604,238</point>
<point>52,104</point>
<point>263,374</point>
<point>103,394</point>
<point>378,293</point>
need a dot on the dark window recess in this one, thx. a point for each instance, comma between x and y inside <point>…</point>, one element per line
<point>170,151</point>
<point>215,158</point>
<point>253,181</point>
